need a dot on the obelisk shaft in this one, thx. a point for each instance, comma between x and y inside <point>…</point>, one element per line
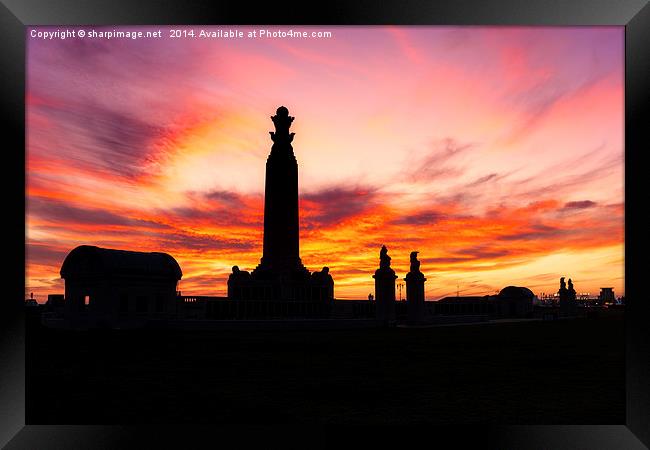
<point>281,229</point>
<point>281,235</point>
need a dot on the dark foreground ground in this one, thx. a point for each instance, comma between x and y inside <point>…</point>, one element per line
<point>552,372</point>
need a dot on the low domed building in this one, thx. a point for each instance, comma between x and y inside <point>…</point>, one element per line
<point>515,301</point>
<point>511,301</point>
<point>106,287</point>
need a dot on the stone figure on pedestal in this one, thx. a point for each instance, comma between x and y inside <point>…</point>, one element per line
<point>385,288</point>
<point>567,298</point>
<point>322,285</point>
<point>237,283</point>
<point>572,292</point>
<point>384,259</point>
<point>415,291</point>
<point>415,264</point>
<point>237,273</point>
<point>573,304</point>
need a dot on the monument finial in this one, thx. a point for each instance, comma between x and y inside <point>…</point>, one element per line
<point>282,121</point>
<point>384,259</point>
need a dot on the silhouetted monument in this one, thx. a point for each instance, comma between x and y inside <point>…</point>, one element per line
<point>281,276</point>
<point>567,298</point>
<point>385,287</point>
<point>415,290</point>
<point>281,241</point>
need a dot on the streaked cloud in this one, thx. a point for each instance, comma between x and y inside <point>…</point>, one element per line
<point>582,204</point>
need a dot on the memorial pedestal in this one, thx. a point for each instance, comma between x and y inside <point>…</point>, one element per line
<point>415,296</point>
<point>385,294</point>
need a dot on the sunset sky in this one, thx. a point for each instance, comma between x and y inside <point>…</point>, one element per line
<point>496,152</point>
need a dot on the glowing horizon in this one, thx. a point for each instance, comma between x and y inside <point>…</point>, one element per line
<point>496,152</point>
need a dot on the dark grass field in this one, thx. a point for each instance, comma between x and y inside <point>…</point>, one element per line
<point>552,372</point>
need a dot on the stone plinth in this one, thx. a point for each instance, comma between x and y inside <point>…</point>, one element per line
<point>415,296</point>
<point>385,294</point>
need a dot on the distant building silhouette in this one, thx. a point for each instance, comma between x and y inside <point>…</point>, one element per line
<point>105,287</point>
<point>55,300</point>
<point>55,303</point>
<point>515,301</point>
<point>606,295</point>
<point>511,301</point>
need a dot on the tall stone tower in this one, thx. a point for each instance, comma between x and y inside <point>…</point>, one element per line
<point>281,276</point>
<point>281,229</point>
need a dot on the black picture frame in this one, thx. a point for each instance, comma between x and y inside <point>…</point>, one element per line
<point>15,15</point>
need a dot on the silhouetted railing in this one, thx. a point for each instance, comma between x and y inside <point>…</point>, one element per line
<point>222,308</point>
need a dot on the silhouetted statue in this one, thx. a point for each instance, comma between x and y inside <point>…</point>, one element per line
<point>572,292</point>
<point>567,298</point>
<point>239,283</point>
<point>415,264</point>
<point>239,274</point>
<point>326,275</point>
<point>384,259</point>
<point>385,288</point>
<point>322,284</point>
<point>323,276</point>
